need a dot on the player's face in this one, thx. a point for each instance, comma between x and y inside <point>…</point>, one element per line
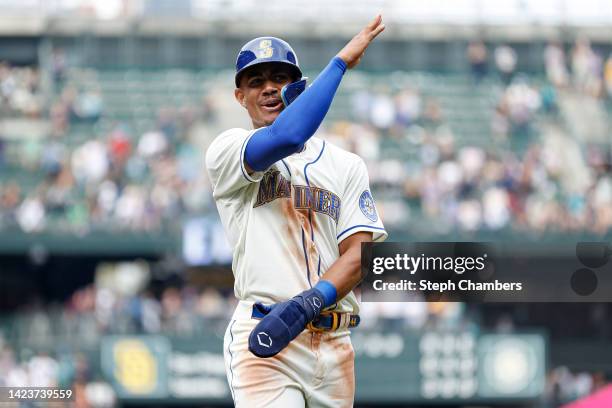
<point>260,92</point>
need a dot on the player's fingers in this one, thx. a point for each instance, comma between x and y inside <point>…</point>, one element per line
<point>374,22</point>
<point>377,31</point>
<point>371,36</point>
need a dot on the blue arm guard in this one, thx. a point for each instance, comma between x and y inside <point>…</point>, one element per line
<point>296,123</point>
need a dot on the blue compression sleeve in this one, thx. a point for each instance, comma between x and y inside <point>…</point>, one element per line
<point>296,123</point>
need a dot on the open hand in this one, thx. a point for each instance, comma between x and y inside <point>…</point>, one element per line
<point>353,51</point>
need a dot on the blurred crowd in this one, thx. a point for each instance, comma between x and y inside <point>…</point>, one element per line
<point>582,68</point>
<point>62,369</point>
<point>57,345</point>
<point>20,94</point>
<point>117,179</point>
<point>146,180</point>
<point>184,310</point>
<point>467,189</point>
<point>537,178</point>
<point>564,385</point>
<point>94,311</point>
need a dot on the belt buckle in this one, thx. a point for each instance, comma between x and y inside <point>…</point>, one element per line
<point>311,327</point>
<point>335,322</point>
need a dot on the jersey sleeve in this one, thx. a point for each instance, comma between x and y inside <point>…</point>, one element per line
<point>358,210</point>
<point>225,162</point>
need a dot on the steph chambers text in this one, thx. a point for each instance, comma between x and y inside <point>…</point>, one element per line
<point>462,285</point>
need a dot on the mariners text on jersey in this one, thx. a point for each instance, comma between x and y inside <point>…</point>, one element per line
<point>273,185</point>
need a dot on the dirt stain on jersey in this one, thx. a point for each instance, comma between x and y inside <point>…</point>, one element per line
<point>298,225</point>
<point>293,231</point>
<point>308,220</point>
<point>261,381</point>
<point>345,358</point>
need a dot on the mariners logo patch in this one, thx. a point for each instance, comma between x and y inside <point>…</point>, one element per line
<point>366,204</point>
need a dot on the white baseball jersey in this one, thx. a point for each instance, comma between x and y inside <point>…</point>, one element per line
<point>285,224</point>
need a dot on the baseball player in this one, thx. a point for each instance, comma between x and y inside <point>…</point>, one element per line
<point>296,210</point>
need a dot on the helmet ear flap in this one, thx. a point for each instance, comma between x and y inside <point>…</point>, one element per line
<point>291,91</point>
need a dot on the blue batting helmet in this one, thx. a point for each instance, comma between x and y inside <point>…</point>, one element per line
<point>266,49</point>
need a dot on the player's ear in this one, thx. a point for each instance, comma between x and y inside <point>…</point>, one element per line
<point>240,96</point>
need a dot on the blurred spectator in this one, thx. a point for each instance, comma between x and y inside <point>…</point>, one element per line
<point>608,75</point>
<point>88,106</point>
<point>408,105</point>
<point>58,66</point>
<point>548,95</point>
<point>505,61</point>
<point>554,60</point>
<point>31,215</point>
<point>10,197</point>
<point>211,304</point>
<point>19,91</point>
<point>477,57</point>
<point>521,102</point>
<point>382,111</point>
<point>130,207</point>
<point>500,123</point>
<point>360,105</point>
<point>100,394</point>
<point>2,152</point>
<point>565,386</point>
<point>119,146</point>
<point>496,211</point>
<point>43,371</point>
<point>90,162</point>
<point>432,116</point>
<point>586,68</point>
<point>59,114</point>
<point>167,123</point>
<point>174,317</point>
<point>152,144</point>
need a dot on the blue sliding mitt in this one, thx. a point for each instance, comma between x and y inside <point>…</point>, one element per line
<point>284,321</point>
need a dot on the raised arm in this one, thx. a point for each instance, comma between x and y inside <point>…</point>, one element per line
<point>300,120</point>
